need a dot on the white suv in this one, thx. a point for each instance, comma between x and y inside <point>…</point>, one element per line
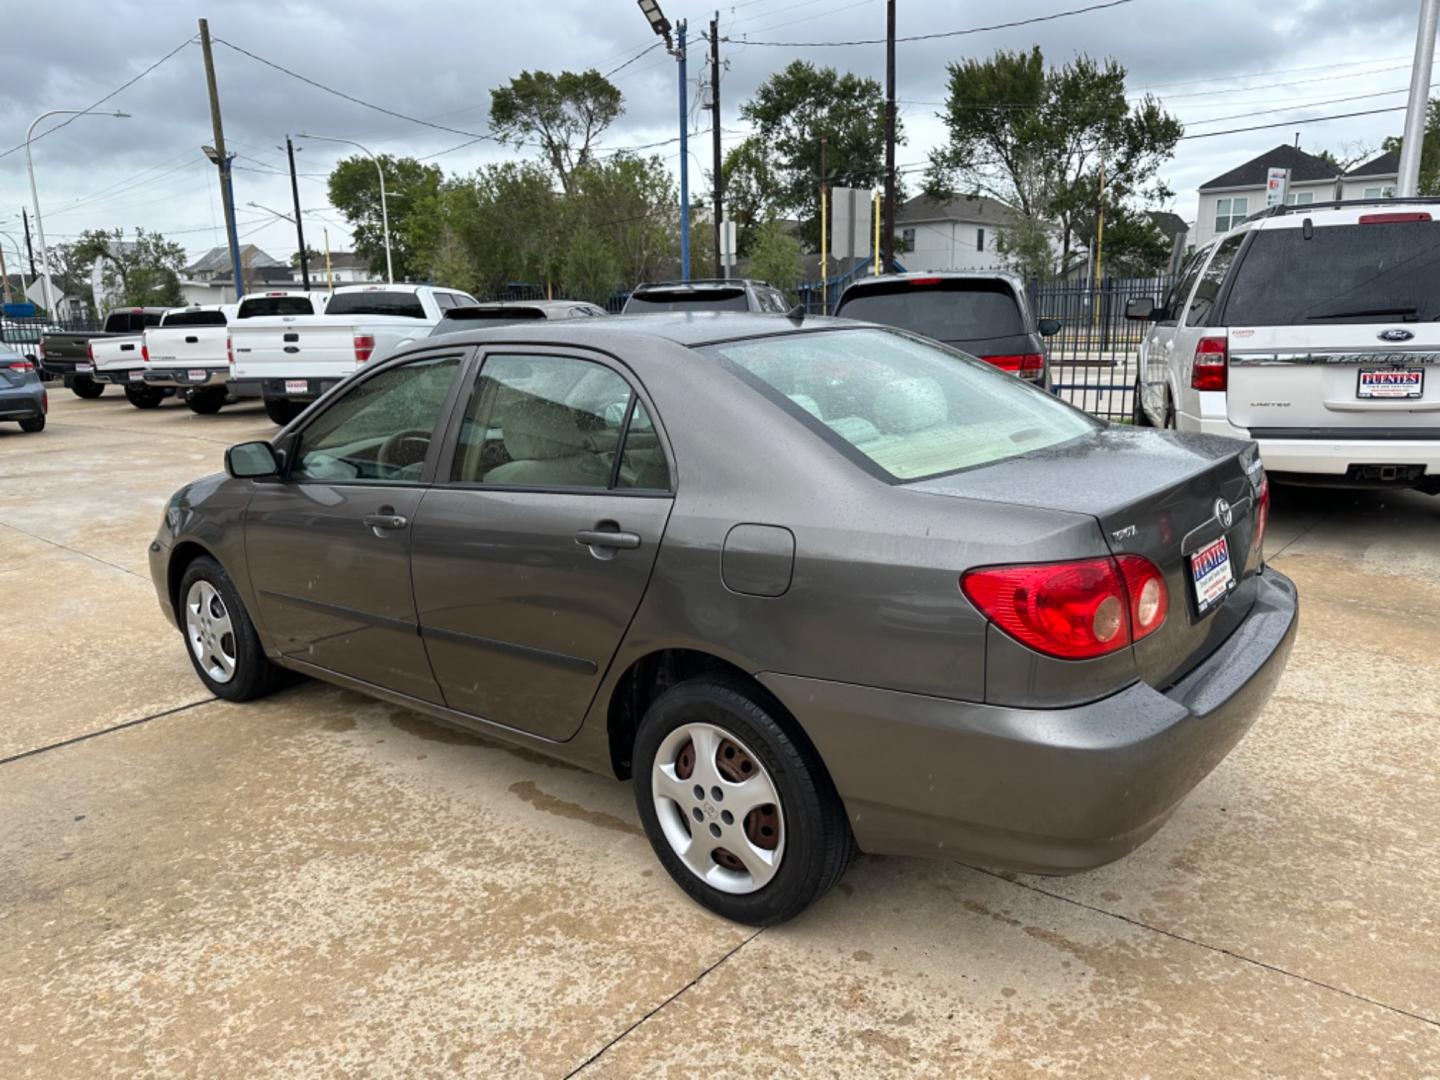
<point>1315,331</point>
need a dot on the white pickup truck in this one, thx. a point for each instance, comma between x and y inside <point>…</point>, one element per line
<point>186,354</point>
<point>120,361</point>
<point>296,358</point>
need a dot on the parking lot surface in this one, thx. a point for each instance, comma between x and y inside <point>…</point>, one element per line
<point>320,884</point>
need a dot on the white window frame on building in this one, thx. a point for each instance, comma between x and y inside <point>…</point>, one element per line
<point>1300,198</point>
<point>1386,192</point>
<point>907,239</point>
<point>1230,211</point>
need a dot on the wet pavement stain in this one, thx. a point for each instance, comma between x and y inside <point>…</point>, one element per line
<point>563,808</point>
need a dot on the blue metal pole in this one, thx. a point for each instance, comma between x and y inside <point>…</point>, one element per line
<point>228,194</point>
<point>684,163</point>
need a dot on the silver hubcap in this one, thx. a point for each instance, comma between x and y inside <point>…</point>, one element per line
<point>718,808</point>
<point>209,631</point>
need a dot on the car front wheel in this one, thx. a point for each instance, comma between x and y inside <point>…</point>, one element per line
<point>741,813</point>
<point>223,645</point>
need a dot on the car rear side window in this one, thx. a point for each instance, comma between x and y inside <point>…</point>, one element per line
<point>554,422</point>
<point>1202,305</point>
<point>255,307</point>
<point>376,302</point>
<point>905,409</point>
<point>1378,271</point>
<point>947,310</point>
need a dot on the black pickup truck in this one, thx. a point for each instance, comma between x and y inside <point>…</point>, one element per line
<point>65,354</point>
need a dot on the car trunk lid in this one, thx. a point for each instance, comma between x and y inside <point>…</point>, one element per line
<point>1152,495</point>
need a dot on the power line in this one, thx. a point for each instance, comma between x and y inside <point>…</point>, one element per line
<point>123,86</point>
<point>1281,85</point>
<point>941,34</point>
<point>1306,105</point>
<point>643,52</point>
<point>1281,71</point>
<point>1294,123</point>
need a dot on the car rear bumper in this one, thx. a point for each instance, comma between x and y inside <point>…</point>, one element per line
<point>186,377</point>
<point>1331,452</point>
<point>296,389</point>
<point>1045,791</point>
<point>24,405</point>
<point>120,376</point>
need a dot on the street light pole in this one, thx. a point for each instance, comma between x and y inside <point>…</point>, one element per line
<point>35,196</point>
<point>384,208</point>
<point>1408,182</point>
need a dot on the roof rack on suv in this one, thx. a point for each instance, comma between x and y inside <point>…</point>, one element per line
<point>1340,204</point>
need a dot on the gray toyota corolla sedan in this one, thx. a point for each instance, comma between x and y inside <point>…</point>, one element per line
<point>815,586</point>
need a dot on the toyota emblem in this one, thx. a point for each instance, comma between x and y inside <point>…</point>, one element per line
<point>1224,513</point>
<point>1395,334</point>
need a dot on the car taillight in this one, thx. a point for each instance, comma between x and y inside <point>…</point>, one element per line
<point>230,349</point>
<point>90,352</point>
<point>45,401</point>
<point>364,346</point>
<point>21,366</point>
<point>1027,365</point>
<point>1211,367</point>
<point>144,353</point>
<point>1392,219</point>
<point>1262,514</point>
<point>1072,610</point>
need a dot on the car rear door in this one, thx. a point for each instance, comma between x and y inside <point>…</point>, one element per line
<point>1335,327</point>
<point>328,547</point>
<point>1159,379</point>
<point>531,557</point>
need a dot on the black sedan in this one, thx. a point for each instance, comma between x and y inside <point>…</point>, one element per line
<point>814,585</point>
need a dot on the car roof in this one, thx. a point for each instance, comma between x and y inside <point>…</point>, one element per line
<point>688,328</point>
<point>1013,280</point>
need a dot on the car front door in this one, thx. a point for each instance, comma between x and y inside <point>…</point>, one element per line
<point>329,545</point>
<point>532,555</point>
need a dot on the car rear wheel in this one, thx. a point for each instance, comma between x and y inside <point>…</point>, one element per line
<point>283,410</point>
<point>144,397</point>
<point>86,388</point>
<point>223,645</point>
<point>741,814</point>
<point>1138,416</point>
<point>33,423</point>
<point>205,400</point>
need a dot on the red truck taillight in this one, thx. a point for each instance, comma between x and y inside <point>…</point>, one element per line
<point>364,347</point>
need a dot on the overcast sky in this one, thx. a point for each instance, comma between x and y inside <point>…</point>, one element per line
<point>1215,64</point>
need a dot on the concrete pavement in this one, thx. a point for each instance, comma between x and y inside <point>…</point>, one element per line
<point>322,885</point>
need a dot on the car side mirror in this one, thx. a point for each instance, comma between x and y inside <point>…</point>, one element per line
<point>1141,309</point>
<point>1049,327</point>
<point>252,461</point>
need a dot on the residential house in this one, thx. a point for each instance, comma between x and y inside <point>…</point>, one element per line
<point>962,233</point>
<point>1233,196</point>
<point>346,268</point>
<point>209,280</point>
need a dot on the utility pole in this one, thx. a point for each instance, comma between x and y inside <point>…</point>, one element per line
<point>1413,142</point>
<point>299,226</point>
<point>29,251</point>
<point>824,233</point>
<point>4,273</point>
<point>684,159</point>
<point>715,138</point>
<point>222,160</point>
<point>889,226</point>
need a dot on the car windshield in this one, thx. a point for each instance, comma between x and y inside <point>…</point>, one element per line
<point>255,307</point>
<point>377,302</point>
<point>908,408</point>
<point>946,310</point>
<point>1368,272</point>
<point>722,298</point>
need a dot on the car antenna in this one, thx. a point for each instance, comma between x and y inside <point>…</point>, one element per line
<point>796,313</point>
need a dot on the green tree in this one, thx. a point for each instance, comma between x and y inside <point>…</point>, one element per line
<point>565,114</point>
<point>1134,245</point>
<point>1054,143</point>
<point>792,111</point>
<point>591,269</point>
<point>411,187</point>
<point>1429,150</point>
<point>751,189</point>
<point>142,272</point>
<point>70,273</point>
<point>775,256</point>
<point>633,204</point>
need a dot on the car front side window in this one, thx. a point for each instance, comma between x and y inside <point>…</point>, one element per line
<point>379,430</point>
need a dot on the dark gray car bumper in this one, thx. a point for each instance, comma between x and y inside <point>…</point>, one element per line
<point>1044,791</point>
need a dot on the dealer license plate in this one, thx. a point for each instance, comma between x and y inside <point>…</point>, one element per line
<point>297,386</point>
<point>196,376</point>
<point>83,369</point>
<point>137,376</point>
<point>1391,383</point>
<point>1214,578</point>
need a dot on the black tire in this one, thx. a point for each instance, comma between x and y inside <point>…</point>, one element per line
<point>144,397</point>
<point>1138,415</point>
<point>1168,421</point>
<point>254,675</point>
<point>818,843</point>
<point>33,423</point>
<point>283,410</point>
<point>86,388</point>
<point>206,400</point>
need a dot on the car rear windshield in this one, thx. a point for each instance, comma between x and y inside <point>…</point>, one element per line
<point>904,408</point>
<point>946,310</point>
<point>378,302</point>
<point>255,307</point>
<point>1370,272</point>
<point>706,299</point>
<point>131,322</point>
<point>194,318</point>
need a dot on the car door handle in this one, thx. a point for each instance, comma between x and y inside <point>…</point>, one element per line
<point>604,538</point>
<point>386,521</point>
